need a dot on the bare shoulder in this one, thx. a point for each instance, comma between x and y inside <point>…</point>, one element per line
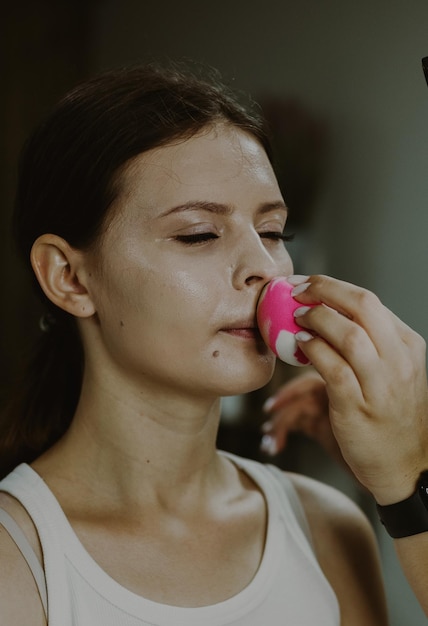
<point>338,526</point>
<point>346,548</point>
<point>19,598</point>
<point>329,508</point>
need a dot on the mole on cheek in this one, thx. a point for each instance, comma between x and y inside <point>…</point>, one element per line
<point>216,353</point>
<point>122,324</point>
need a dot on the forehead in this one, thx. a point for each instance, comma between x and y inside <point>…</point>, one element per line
<point>214,164</point>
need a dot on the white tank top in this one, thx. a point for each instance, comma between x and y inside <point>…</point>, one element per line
<point>289,587</point>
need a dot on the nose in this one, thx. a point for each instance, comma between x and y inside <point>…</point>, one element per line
<point>257,264</point>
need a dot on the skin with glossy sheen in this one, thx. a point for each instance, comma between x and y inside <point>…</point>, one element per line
<point>166,307</point>
<point>178,276</point>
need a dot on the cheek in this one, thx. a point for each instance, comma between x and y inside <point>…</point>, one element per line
<point>180,296</point>
<point>156,306</point>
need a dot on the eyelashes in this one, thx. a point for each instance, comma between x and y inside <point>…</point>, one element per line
<point>196,238</point>
<point>278,236</point>
<point>200,238</point>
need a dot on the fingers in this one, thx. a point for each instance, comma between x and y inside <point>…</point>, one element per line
<point>274,440</point>
<point>297,406</point>
<point>383,329</point>
<point>309,417</point>
<point>375,370</point>
<point>348,338</point>
<point>355,330</point>
<point>294,388</point>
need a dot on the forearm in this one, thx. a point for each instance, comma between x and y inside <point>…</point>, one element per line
<point>374,367</point>
<point>413,554</point>
<point>407,523</point>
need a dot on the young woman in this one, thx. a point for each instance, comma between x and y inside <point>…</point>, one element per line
<point>151,214</point>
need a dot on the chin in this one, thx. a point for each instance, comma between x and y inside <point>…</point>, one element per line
<point>244,380</point>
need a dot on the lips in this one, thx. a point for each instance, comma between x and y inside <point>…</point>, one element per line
<point>245,333</point>
<point>244,329</point>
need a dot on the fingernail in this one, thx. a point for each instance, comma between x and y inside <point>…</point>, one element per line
<point>266,427</point>
<point>268,404</point>
<point>300,289</point>
<point>303,336</point>
<point>268,445</point>
<point>301,311</point>
<point>297,279</point>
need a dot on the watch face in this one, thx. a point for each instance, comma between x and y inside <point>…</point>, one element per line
<point>425,66</point>
<point>423,488</point>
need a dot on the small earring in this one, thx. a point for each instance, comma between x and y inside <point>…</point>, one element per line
<point>47,322</point>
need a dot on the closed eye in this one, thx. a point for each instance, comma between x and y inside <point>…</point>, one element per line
<point>196,238</point>
<point>277,236</point>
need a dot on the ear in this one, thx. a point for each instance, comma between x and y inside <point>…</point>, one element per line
<point>60,270</point>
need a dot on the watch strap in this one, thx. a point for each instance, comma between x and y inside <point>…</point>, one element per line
<point>410,516</point>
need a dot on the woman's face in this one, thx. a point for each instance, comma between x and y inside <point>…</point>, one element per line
<point>194,238</point>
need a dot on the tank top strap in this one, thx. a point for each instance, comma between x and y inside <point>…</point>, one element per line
<point>288,499</point>
<point>28,553</point>
<point>285,484</point>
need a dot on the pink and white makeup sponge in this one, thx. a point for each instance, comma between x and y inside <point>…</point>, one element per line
<point>276,321</point>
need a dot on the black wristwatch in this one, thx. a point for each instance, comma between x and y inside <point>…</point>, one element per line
<point>410,516</point>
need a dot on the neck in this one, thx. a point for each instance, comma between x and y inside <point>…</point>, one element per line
<point>131,449</point>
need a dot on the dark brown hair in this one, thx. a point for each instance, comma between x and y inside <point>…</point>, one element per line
<point>68,179</point>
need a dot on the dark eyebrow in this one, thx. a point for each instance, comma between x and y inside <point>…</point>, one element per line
<point>198,205</point>
<point>266,207</point>
<point>219,208</point>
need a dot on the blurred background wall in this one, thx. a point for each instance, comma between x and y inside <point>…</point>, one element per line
<point>347,74</point>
